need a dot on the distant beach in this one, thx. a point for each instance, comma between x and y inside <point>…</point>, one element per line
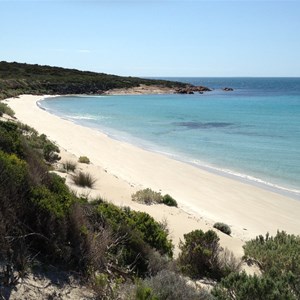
<point>203,197</point>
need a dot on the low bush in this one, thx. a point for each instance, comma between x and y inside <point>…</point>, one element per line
<point>277,255</point>
<point>168,200</point>
<point>84,160</point>
<point>199,254</point>
<point>170,285</point>
<point>240,286</point>
<point>10,139</point>
<point>202,256</point>
<point>69,166</point>
<point>5,109</point>
<point>148,196</point>
<point>84,179</point>
<point>223,227</point>
<point>164,286</point>
<point>142,232</point>
<point>53,196</point>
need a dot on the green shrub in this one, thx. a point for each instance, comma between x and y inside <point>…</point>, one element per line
<point>148,196</point>
<point>50,152</point>
<point>84,179</point>
<point>5,109</point>
<point>13,179</point>
<point>143,292</point>
<point>276,255</point>
<point>166,285</point>
<point>168,200</point>
<point>170,285</point>
<point>69,166</point>
<point>53,196</point>
<point>45,147</point>
<point>152,232</point>
<point>240,286</point>
<point>223,227</point>
<point>10,138</point>
<point>84,160</point>
<point>279,261</point>
<point>199,255</point>
<point>142,232</point>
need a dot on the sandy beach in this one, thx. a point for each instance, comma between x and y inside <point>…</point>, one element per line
<point>203,197</point>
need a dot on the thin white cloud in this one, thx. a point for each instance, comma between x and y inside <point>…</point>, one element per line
<point>84,51</point>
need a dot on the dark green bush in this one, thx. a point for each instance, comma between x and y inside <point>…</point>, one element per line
<point>14,185</point>
<point>223,227</point>
<point>168,200</point>
<point>147,228</point>
<point>142,232</point>
<point>277,255</point>
<point>44,147</point>
<point>199,255</point>
<point>84,179</point>
<point>10,138</point>
<point>278,259</point>
<point>240,286</point>
<point>54,196</point>
<point>5,109</point>
<point>152,232</point>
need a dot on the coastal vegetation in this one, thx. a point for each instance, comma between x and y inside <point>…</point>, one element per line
<point>5,109</point>
<point>20,78</point>
<point>202,256</point>
<point>118,252</point>
<point>148,196</point>
<point>69,166</point>
<point>83,160</point>
<point>84,179</point>
<point>222,227</point>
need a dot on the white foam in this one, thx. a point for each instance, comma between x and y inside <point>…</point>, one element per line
<point>246,177</point>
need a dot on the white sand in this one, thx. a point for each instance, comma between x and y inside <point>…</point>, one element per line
<point>203,197</point>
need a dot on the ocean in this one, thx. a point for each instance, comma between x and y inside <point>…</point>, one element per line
<point>251,133</point>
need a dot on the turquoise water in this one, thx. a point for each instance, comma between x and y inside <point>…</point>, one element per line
<point>252,133</point>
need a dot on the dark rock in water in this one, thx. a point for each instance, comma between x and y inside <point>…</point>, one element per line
<point>227,89</point>
<point>192,89</point>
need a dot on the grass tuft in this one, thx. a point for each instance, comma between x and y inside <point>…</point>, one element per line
<point>84,179</point>
<point>69,166</point>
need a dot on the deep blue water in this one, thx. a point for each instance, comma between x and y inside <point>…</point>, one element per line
<point>252,132</point>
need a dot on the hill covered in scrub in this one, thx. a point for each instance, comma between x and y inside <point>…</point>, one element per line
<point>20,78</point>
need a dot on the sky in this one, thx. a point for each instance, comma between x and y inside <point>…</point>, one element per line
<point>155,37</point>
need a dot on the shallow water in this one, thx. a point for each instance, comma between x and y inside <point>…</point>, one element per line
<point>252,132</point>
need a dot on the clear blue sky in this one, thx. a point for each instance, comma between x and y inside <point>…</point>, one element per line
<point>155,38</point>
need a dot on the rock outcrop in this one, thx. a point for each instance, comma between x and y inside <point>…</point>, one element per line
<point>192,90</point>
<point>227,89</point>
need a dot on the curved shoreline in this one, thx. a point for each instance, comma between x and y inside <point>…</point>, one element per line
<point>228,173</point>
<point>204,197</point>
